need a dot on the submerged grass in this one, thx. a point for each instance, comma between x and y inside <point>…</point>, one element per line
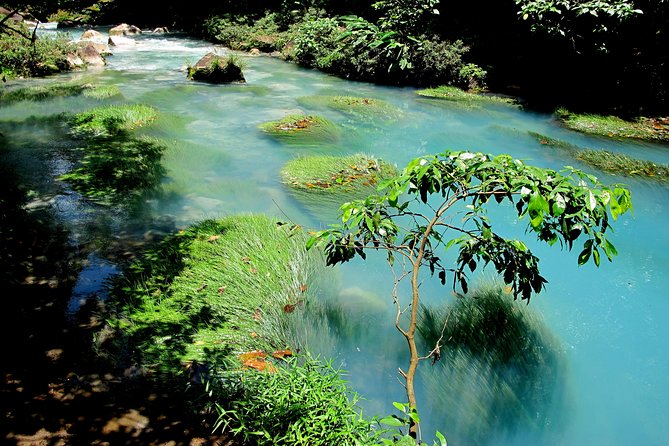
<point>43,92</point>
<point>621,164</point>
<point>335,174</point>
<point>457,95</point>
<point>552,142</point>
<point>113,170</point>
<point>102,91</point>
<point>613,127</point>
<point>498,357</point>
<point>302,130</point>
<point>607,161</point>
<point>111,120</point>
<point>367,108</point>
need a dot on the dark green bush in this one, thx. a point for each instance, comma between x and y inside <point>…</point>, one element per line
<point>20,58</point>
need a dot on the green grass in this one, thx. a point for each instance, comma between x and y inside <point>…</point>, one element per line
<point>552,142</point>
<point>42,92</point>
<point>113,171</point>
<point>336,175</point>
<point>111,120</point>
<point>305,402</point>
<point>302,130</point>
<point>359,106</point>
<point>102,91</point>
<point>613,127</point>
<point>621,164</point>
<point>457,95</point>
<point>215,291</point>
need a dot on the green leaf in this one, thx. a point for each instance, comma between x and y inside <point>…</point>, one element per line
<point>591,202</point>
<point>392,420</point>
<point>441,438</point>
<point>609,250</point>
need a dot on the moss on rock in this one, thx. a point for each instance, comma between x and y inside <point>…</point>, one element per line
<point>216,69</point>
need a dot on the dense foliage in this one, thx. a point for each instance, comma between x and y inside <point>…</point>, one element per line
<point>23,56</point>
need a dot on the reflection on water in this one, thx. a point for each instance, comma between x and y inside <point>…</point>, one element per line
<point>611,322</point>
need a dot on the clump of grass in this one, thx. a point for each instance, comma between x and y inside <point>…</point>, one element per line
<point>302,130</point>
<point>102,91</point>
<point>355,174</point>
<point>214,291</point>
<point>613,127</point>
<point>501,365</point>
<point>621,164</point>
<point>552,142</point>
<point>114,170</point>
<point>363,107</point>
<point>111,120</point>
<point>40,92</point>
<point>304,402</point>
<point>457,95</point>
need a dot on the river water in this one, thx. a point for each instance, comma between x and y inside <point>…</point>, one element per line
<point>611,322</point>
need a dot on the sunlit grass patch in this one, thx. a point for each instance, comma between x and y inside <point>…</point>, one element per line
<point>302,129</point>
<point>102,91</point>
<point>336,175</point>
<point>457,95</point>
<point>359,106</point>
<point>215,290</point>
<point>621,164</point>
<point>111,120</point>
<point>40,92</point>
<point>613,127</point>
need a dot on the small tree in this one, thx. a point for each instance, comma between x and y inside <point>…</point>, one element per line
<point>418,230</point>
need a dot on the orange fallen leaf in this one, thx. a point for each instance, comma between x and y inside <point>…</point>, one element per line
<point>288,308</point>
<point>252,355</point>
<point>257,315</point>
<point>213,238</point>
<point>254,334</point>
<point>221,289</point>
<point>280,354</point>
<point>246,259</point>
<point>253,270</point>
<point>303,287</point>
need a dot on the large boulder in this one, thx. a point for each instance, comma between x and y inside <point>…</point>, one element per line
<point>124,30</point>
<point>90,54</point>
<point>215,69</point>
<point>91,34</point>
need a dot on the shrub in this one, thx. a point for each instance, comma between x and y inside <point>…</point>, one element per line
<point>317,43</point>
<point>20,58</point>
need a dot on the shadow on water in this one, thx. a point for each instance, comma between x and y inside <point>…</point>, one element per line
<point>56,389</point>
